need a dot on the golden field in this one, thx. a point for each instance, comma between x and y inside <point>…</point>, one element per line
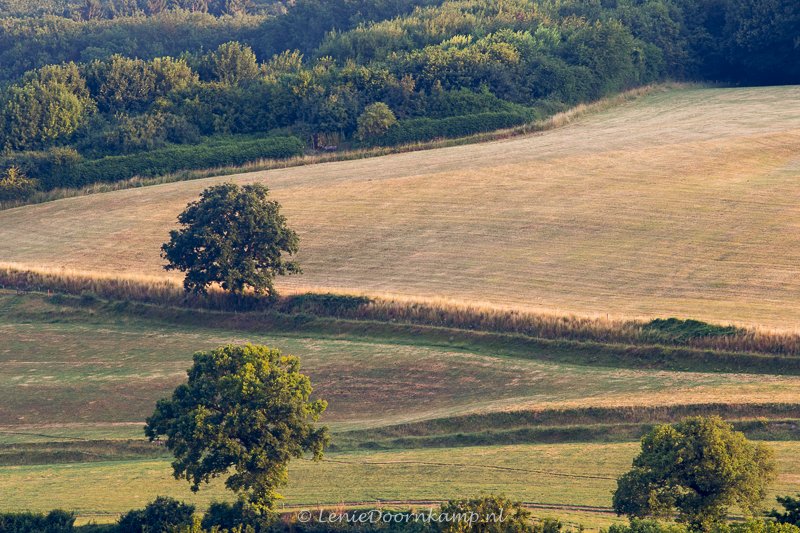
<point>683,202</point>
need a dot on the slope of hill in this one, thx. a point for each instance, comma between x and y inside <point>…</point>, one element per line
<point>411,421</point>
<point>681,203</point>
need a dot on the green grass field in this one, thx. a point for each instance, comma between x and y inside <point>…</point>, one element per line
<point>75,388</point>
<point>560,474</point>
<point>678,203</point>
<point>89,368</point>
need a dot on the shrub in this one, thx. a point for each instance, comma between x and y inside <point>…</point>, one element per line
<point>484,514</point>
<point>159,516</point>
<point>323,304</point>
<point>69,171</point>
<point>14,185</point>
<point>56,521</point>
<point>792,513</point>
<point>375,121</point>
<point>228,516</point>
<point>426,129</point>
<point>674,329</point>
<point>647,526</point>
<point>53,167</point>
<point>165,160</point>
<point>757,526</point>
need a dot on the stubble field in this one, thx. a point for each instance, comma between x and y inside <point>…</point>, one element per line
<point>683,202</point>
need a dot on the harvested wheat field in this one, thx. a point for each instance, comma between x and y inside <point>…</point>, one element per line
<point>684,202</point>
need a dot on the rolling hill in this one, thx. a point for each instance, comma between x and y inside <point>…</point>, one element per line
<point>683,202</point>
<point>412,420</point>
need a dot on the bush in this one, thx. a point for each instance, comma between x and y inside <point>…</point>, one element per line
<point>647,526</point>
<point>757,526</point>
<point>375,121</point>
<point>426,129</point>
<point>162,515</point>
<point>228,516</point>
<point>14,185</point>
<point>792,513</point>
<point>63,167</point>
<point>488,510</point>
<point>677,330</point>
<point>340,305</point>
<point>56,521</point>
<point>53,167</point>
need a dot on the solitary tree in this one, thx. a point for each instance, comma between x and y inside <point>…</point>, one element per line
<point>699,467</point>
<point>245,411</point>
<point>234,236</point>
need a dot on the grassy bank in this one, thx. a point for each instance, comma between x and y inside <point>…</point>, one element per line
<point>439,314</point>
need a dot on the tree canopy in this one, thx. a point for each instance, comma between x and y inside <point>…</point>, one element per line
<point>245,409</point>
<point>233,236</point>
<point>318,69</point>
<point>699,467</point>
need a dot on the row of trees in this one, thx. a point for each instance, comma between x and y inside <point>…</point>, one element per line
<point>523,58</point>
<point>717,39</point>
<point>28,43</point>
<point>110,9</point>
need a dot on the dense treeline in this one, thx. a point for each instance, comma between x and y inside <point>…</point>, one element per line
<point>81,91</point>
<point>28,43</point>
<point>97,9</point>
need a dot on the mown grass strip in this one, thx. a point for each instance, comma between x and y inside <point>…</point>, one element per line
<point>615,355</point>
<point>690,334</point>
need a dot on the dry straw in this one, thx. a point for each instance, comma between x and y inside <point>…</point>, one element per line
<point>438,313</point>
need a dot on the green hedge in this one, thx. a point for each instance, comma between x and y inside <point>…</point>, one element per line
<point>62,167</point>
<point>166,160</point>
<point>56,521</point>
<point>426,129</point>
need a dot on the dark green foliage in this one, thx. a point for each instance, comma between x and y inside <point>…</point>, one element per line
<point>757,526</point>
<point>637,525</point>
<point>53,522</point>
<point>224,515</point>
<point>486,513</point>
<point>64,167</point>
<point>677,330</point>
<point>337,71</point>
<point>14,185</point>
<point>244,413</point>
<point>791,513</point>
<point>426,129</point>
<point>172,159</point>
<point>323,304</point>
<point>234,237</point>
<point>699,467</point>
<point>162,515</point>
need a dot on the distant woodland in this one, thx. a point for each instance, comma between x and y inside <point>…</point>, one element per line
<point>106,89</point>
